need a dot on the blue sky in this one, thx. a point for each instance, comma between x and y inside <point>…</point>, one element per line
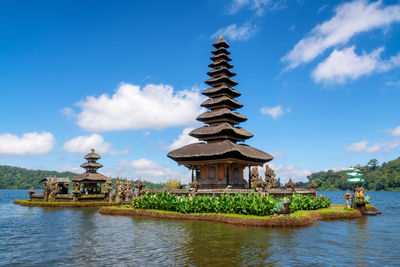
<point>319,80</point>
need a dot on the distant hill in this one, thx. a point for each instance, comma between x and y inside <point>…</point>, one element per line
<point>21,178</point>
<point>378,177</point>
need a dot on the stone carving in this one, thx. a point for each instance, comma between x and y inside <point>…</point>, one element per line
<point>269,177</point>
<point>290,185</point>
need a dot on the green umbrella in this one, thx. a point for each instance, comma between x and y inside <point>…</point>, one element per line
<point>354,174</point>
<point>355,180</point>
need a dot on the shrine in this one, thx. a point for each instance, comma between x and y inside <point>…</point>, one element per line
<point>90,181</point>
<point>219,159</point>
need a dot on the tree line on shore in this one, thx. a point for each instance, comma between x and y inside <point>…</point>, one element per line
<point>384,177</point>
<point>378,177</point>
<point>21,178</point>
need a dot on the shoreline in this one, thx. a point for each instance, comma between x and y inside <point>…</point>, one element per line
<point>27,203</point>
<point>300,218</point>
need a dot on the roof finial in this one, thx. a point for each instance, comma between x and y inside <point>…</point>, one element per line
<point>221,37</point>
<point>92,150</point>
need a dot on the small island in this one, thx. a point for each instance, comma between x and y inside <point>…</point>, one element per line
<point>218,190</point>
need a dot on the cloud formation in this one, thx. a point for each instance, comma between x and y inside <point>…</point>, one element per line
<point>344,65</point>
<point>274,112</point>
<point>363,147</point>
<point>131,107</point>
<point>258,6</point>
<point>350,19</point>
<point>148,170</point>
<point>28,144</point>
<point>183,139</point>
<point>82,144</point>
<point>237,33</point>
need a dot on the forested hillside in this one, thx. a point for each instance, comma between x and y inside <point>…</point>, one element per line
<point>378,177</point>
<point>20,178</point>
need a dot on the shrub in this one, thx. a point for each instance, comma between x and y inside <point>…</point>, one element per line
<point>302,202</point>
<point>173,184</point>
<point>248,204</point>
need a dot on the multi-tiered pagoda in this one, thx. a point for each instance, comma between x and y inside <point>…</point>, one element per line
<point>219,160</point>
<point>91,179</point>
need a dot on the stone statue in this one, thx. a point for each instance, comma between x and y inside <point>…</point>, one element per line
<point>313,185</point>
<point>270,177</point>
<point>290,185</point>
<point>254,177</point>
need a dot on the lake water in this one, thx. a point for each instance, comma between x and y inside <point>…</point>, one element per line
<point>58,237</point>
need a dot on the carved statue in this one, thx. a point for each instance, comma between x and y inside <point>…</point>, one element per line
<point>254,176</point>
<point>270,177</point>
<point>290,185</point>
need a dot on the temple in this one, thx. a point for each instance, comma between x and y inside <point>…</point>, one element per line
<point>218,160</point>
<point>90,179</point>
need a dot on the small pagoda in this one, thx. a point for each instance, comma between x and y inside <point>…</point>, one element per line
<point>91,179</point>
<point>218,161</point>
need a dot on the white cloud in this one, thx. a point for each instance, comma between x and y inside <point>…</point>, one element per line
<point>68,112</point>
<point>68,168</point>
<point>363,147</point>
<point>258,6</point>
<point>350,19</point>
<point>148,170</point>
<point>395,131</point>
<point>344,65</point>
<point>275,112</point>
<point>289,171</point>
<point>130,107</point>
<point>82,144</point>
<point>239,33</point>
<point>29,144</point>
<point>183,139</point>
<point>392,83</point>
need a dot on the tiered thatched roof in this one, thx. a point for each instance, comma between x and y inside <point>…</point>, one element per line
<point>220,131</point>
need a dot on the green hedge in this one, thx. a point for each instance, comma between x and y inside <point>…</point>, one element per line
<point>246,204</point>
<point>302,202</point>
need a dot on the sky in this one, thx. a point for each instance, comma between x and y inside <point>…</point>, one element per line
<point>320,81</point>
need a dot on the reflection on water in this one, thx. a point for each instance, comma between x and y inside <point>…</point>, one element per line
<point>82,236</point>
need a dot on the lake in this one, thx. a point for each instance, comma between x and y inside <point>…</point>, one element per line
<point>58,237</point>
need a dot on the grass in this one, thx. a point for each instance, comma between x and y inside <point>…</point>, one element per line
<point>88,204</point>
<point>295,219</point>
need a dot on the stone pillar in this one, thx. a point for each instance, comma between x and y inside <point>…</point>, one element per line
<point>31,192</point>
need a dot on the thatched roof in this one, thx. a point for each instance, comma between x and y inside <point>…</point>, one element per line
<point>220,64</point>
<point>223,89</point>
<point>221,80</point>
<point>92,155</point>
<point>90,177</point>
<point>91,165</point>
<point>223,129</point>
<point>60,180</point>
<point>222,100</point>
<point>220,57</point>
<point>219,150</point>
<point>224,71</point>
<point>221,43</point>
<point>220,50</point>
<point>221,114</point>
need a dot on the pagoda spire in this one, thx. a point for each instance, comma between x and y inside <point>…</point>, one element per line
<point>92,165</point>
<point>221,119</point>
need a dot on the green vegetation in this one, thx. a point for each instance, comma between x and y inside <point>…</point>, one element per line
<point>246,204</point>
<point>301,202</point>
<point>20,178</point>
<point>378,177</point>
